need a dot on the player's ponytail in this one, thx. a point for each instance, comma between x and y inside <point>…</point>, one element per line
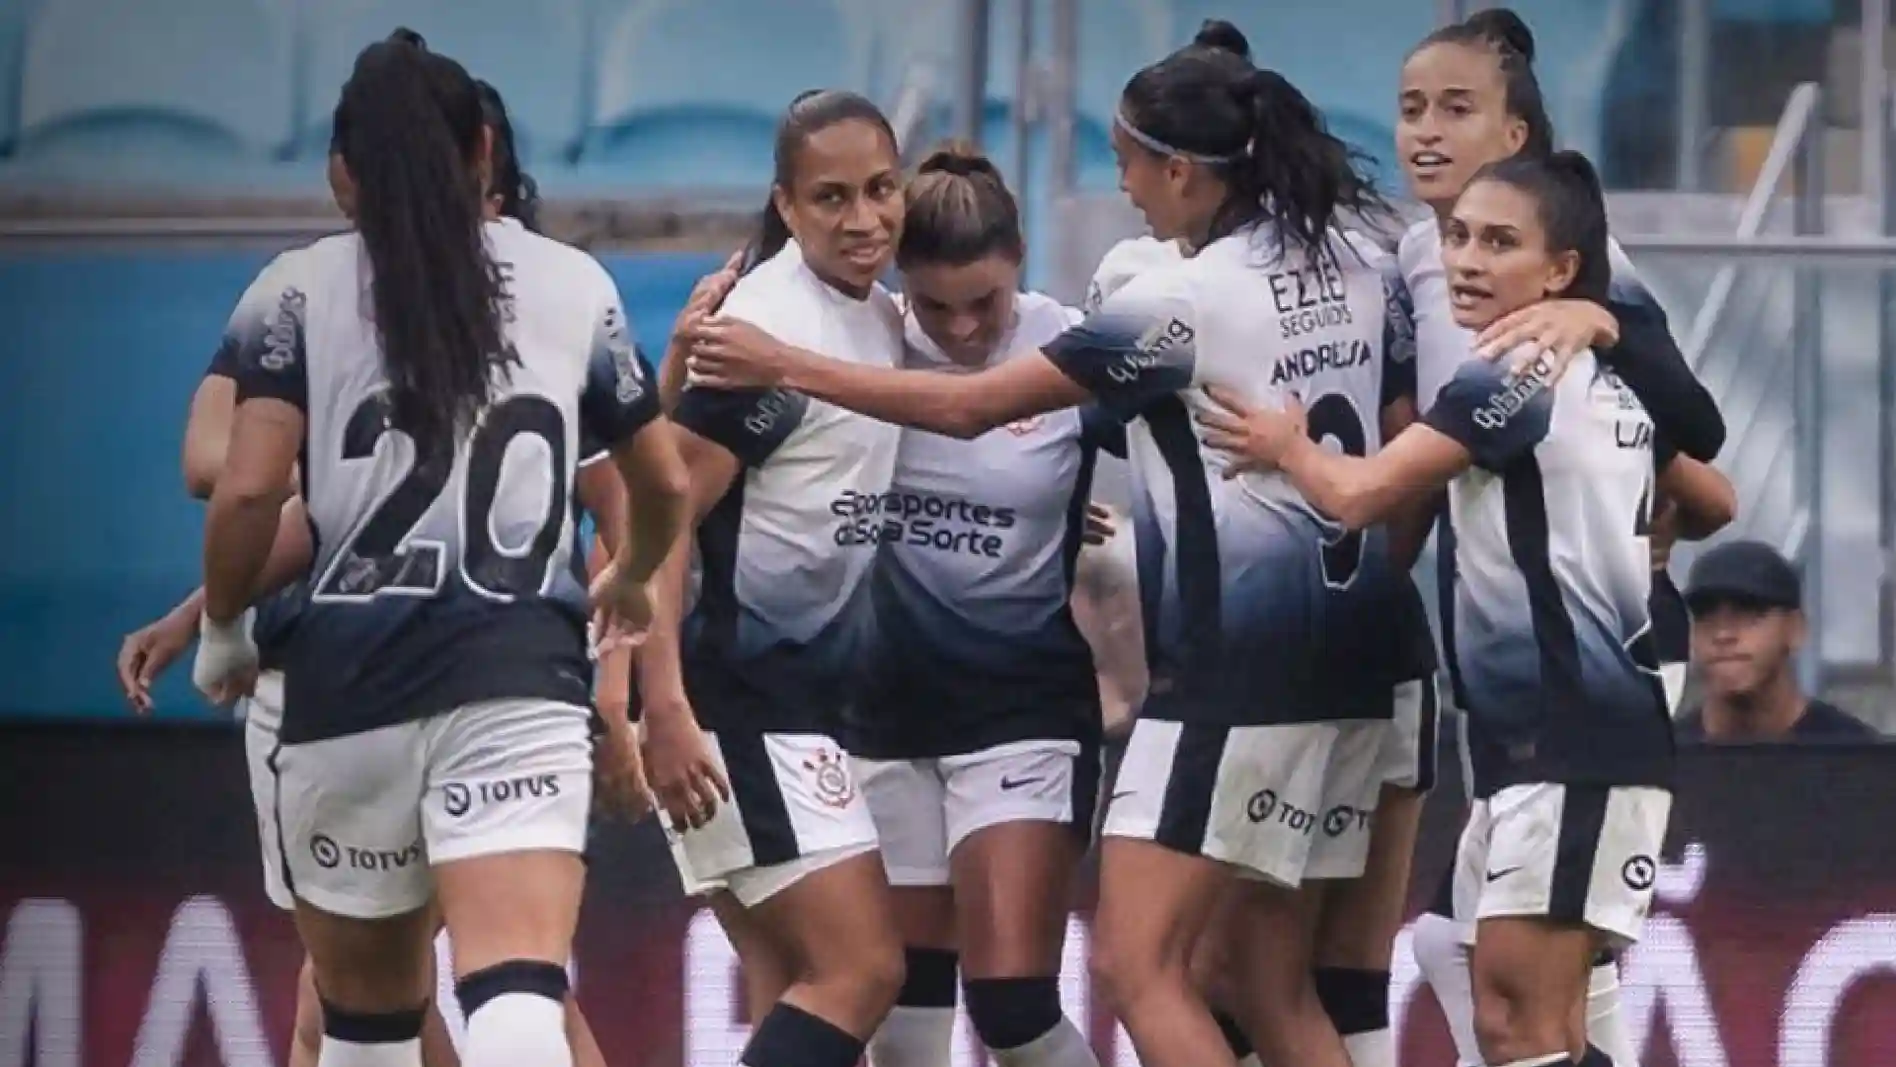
<point>1503,32</point>
<point>1295,171</point>
<point>409,129</point>
<point>514,188</point>
<point>1571,205</point>
<point>813,111</point>
<point>959,211</point>
<point>1206,104</point>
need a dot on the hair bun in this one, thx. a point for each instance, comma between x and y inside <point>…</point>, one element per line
<point>1222,36</point>
<point>963,159</point>
<point>404,35</point>
<point>1578,167</point>
<point>1502,26</point>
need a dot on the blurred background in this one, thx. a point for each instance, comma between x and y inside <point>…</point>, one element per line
<point>155,153</point>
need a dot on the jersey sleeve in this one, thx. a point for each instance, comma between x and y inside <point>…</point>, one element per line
<point>751,424</point>
<point>618,399</point>
<point>1647,358</point>
<point>1399,346</point>
<point>267,354</point>
<point>1496,417</point>
<point>1139,347</point>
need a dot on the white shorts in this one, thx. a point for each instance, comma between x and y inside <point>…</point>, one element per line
<point>795,809</point>
<point>261,719</point>
<point>1672,678</point>
<point>1576,854</point>
<point>925,808</point>
<point>1281,803</point>
<point>363,817</point>
<point>1407,759</point>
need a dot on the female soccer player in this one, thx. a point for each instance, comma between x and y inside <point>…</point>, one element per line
<point>1562,692</point>
<point>976,736</point>
<point>786,493</point>
<point>146,653</point>
<point>1469,97</point>
<point>1246,738</point>
<point>435,739</point>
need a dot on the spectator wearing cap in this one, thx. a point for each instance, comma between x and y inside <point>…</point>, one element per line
<point>1748,623</point>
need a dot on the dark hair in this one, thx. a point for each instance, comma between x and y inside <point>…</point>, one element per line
<point>1502,32</point>
<point>959,211</point>
<point>1208,103</point>
<point>1571,209</point>
<point>1221,36</point>
<point>409,129</point>
<point>519,195</point>
<point>812,112</point>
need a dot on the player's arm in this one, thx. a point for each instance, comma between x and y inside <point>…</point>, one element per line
<point>1363,491</point>
<point>246,507</point>
<point>1706,500</point>
<point>705,298</point>
<point>600,490</point>
<point>1138,347</point>
<point>207,428</point>
<point>1649,361</point>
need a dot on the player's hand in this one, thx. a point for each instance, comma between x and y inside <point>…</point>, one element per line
<point>1099,527</point>
<point>147,652</point>
<point>678,763</point>
<point>620,768</point>
<point>622,608</point>
<point>1253,437</point>
<point>1561,328</point>
<point>709,293</point>
<point>729,353</point>
<point>226,666</point>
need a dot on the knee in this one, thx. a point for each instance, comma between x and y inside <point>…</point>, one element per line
<point>1509,1026</point>
<point>516,1013</point>
<point>1211,968</point>
<point>1011,1012</point>
<point>880,969</point>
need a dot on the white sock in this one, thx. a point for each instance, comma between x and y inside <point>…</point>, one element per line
<point>1443,961</point>
<point>1062,1046</point>
<point>516,1030</point>
<point>339,1053</point>
<point>1606,1028</point>
<point>1253,1060</point>
<point>1559,1058</point>
<point>914,1037</point>
<point>1371,1048</point>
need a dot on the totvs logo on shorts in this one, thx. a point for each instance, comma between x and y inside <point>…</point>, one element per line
<point>329,855</point>
<point>459,798</point>
<point>923,520</point>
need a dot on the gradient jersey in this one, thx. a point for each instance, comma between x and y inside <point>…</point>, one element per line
<point>1257,609</point>
<point>975,645</point>
<point>443,576</point>
<point>1552,641</point>
<point>776,638</point>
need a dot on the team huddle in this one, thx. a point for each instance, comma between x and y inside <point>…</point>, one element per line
<point>825,621</point>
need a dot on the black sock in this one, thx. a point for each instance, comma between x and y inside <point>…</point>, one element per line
<point>792,1037</point>
<point>1356,1001</point>
<point>1233,1034</point>
<point>1593,1057</point>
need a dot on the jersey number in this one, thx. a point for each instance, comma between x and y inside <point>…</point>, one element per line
<point>1642,518</point>
<point>1332,415</point>
<point>380,558</point>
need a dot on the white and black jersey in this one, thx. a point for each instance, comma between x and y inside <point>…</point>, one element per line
<point>774,642</point>
<point>975,644</point>
<point>1552,648</point>
<point>1257,608</point>
<point>446,580</point>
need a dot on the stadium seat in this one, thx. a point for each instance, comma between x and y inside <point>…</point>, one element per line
<point>688,92</point>
<point>535,54</point>
<point>188,83</point>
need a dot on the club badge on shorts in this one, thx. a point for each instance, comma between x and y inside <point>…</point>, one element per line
<point>829,770</point>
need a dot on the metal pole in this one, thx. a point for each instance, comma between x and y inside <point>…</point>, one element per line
<point>1807,347</point>
<point>1062,97</point>
<point>1027,107</point>
<point>1885,135</point>
<point>1872,92</point>
<point>971,93</point>
<point>1695,79</point>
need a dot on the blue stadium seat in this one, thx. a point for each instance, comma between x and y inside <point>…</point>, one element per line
<point>536,54</point>
<point>688,92</point>
<point>192,84</point>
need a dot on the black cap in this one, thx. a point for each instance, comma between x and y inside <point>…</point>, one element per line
<point>1750,572</point>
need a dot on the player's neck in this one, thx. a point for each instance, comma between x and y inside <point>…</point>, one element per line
<point>1767,712</point>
